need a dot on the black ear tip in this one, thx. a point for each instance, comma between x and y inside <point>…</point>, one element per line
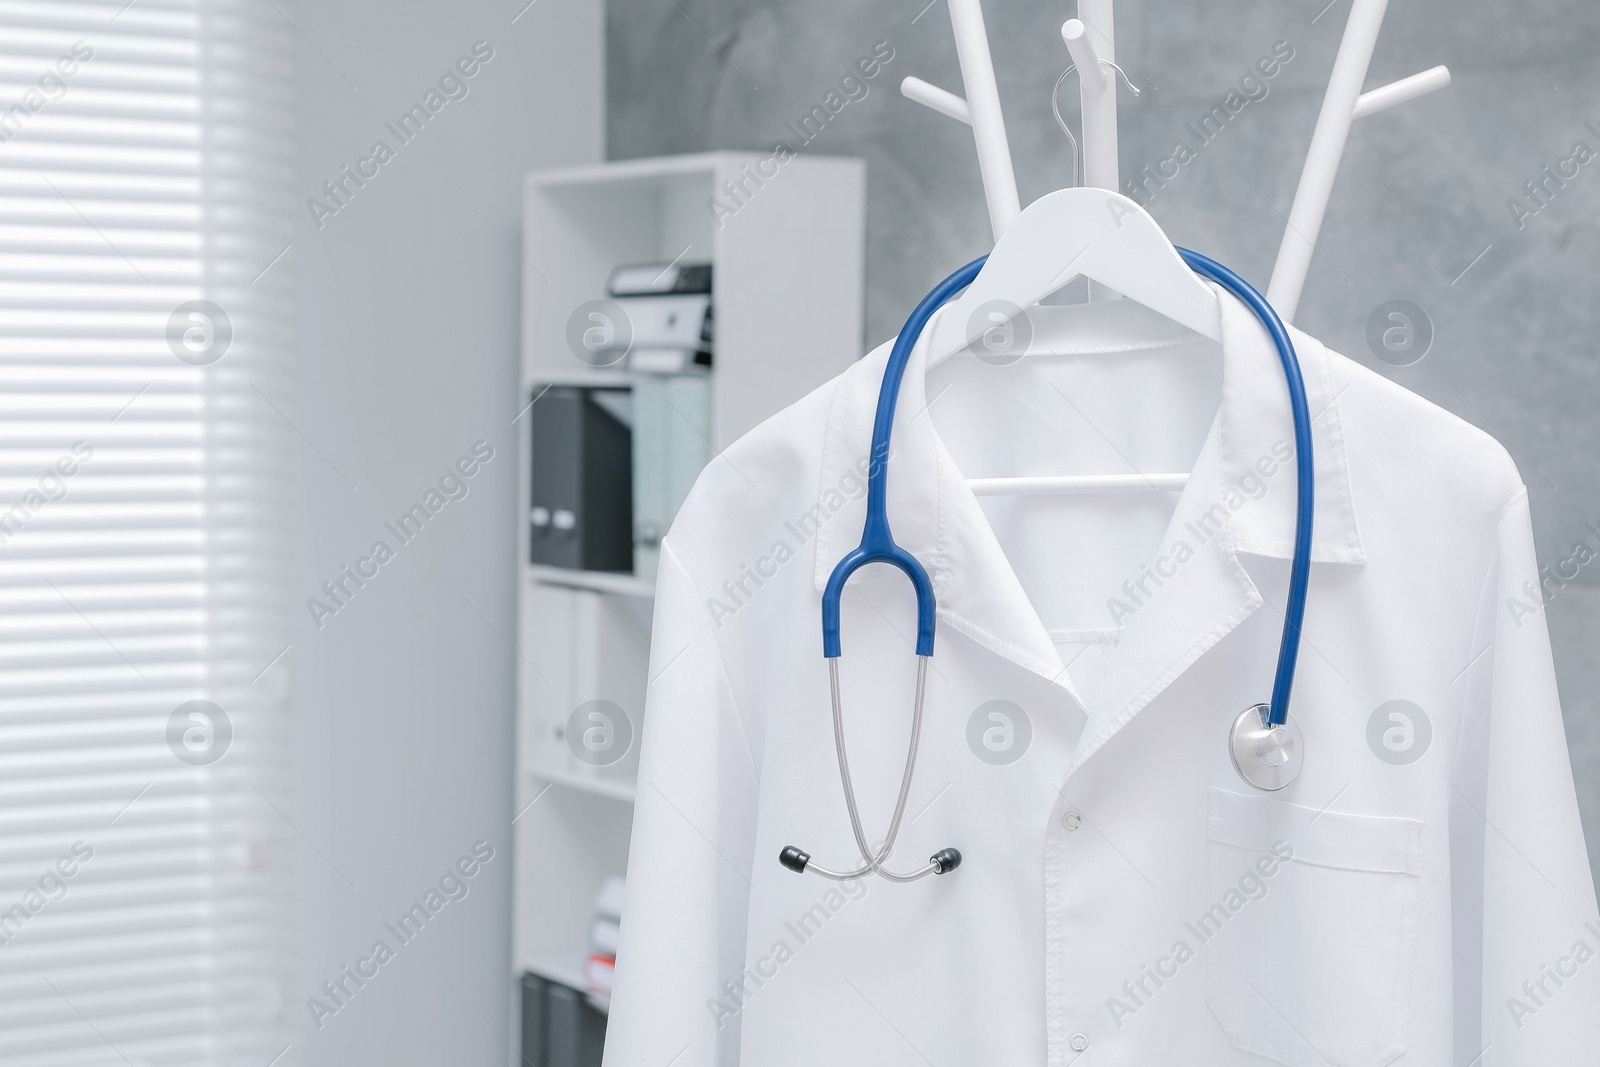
<point>796,860</point>
<point>945,860</point>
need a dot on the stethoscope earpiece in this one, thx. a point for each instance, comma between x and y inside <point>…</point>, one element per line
<point>799,861</point>
<point>943,862</point>
<point>795,859</point>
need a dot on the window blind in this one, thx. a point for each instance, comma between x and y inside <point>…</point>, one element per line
<point>145,369</point>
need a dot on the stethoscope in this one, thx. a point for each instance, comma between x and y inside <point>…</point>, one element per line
<point>1265,744</point>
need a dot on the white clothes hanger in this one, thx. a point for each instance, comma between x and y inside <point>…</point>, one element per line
<point>1071,233</point>
<point>1133,257</point>
<point>1094,233</point>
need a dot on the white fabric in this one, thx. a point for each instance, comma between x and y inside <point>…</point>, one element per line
<point>1439,910</point>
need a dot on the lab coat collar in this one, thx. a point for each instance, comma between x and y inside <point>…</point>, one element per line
<point>936,517</point>
<point>1255,417</point>
<point>933,514</point>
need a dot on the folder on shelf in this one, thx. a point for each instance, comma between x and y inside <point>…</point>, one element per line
<point>671,445</point>
<point>581,502</point>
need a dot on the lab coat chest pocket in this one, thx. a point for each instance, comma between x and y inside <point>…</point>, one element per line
<point>1313,931</point>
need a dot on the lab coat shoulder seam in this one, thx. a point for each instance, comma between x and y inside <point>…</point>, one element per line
<point>941,550</point>
<point>1516,498</point>
<point>1393,403</point>
<point>1496,557</point>
<point>1486,593</point>
<point>716,648</point>
<point>832,461</point>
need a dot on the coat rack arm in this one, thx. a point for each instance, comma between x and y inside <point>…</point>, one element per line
<point>1322,160</point>
<point>936,99</point>
<point>983,103</point>
<point>1401,92</point>
<point>1076,35</point>
<point>1097,89</point>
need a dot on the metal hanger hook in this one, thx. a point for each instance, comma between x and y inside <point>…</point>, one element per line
<point>1132,88</point>
<point>1055,107</point>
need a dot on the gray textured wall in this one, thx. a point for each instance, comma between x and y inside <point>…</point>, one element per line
<point>1423,192</point>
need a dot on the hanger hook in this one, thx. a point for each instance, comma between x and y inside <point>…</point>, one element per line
<point>1055,106</point>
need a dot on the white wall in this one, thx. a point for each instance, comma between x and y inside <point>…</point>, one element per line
<point>408,327</point>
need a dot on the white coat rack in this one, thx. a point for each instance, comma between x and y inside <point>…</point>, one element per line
<point>1091,41</point>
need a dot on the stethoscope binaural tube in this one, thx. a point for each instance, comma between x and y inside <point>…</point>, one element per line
<point>878,546</point>
<point>944,860</point>
<point>1266,747</point>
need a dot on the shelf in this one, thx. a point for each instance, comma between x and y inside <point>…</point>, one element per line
<point>595,581</point>
<point>631,170</point>
<point>571,977</point>
<point>788,291</point>
<point>572,980</point>
<point>787,263</point>
<point>605,787</point>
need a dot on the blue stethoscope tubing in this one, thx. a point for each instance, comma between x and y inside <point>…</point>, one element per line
<point>878,544</point>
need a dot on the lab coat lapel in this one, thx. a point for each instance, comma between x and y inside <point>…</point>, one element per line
<point>1196,590</point>
<point>1190,597</point>
<point>933,514</point>
<point>1240,498</point>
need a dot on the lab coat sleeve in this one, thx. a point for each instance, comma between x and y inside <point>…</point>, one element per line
<point>683,923</point>
<point>1539,933</point>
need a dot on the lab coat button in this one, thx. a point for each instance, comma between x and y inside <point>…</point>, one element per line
<point>1078,1042</point>
<point>1071,820</point>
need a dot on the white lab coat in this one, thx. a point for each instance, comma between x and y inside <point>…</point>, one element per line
<point>1421,893</point>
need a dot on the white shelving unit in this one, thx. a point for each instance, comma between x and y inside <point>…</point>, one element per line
<point>787,280</point>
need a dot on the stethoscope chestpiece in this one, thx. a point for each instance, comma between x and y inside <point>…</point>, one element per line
<point>1268,757</point>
